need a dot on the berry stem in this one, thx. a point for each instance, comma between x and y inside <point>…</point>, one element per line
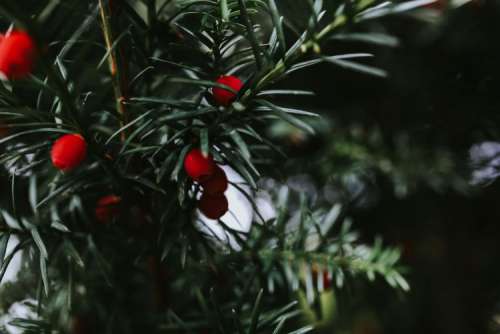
<point>114,69</point>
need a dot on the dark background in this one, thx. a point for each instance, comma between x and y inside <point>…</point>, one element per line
<point>442,94</point>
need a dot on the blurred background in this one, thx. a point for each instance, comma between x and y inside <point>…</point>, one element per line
<point>416,156</point>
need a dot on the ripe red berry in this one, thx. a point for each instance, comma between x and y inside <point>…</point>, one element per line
<point>327,282</point>
<point>215,184</point>
<point>107,208</point>
<point>198,166</point>
<point>213,206</point>
<point>17,55</point>
<point>68,151</point>
<point>224,97</point>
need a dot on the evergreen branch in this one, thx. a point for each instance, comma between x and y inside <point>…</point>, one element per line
<point>297,53</point>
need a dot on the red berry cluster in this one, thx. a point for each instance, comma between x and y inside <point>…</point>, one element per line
<point>17,55</point>
<point>213,203</point>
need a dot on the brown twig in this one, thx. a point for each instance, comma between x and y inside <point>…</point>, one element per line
<point>114,67</point>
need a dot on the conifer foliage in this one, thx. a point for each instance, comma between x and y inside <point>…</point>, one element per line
<point>120,115</point>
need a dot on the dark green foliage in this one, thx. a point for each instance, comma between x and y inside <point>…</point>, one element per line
<point>141,97</point>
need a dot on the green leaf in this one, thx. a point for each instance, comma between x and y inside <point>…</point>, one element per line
<point>165,101</point>
<point>366,69</point>
<point>201,83</point>
<point>8,258</point>
<point>146,182</point>
<point>180,163</point>
<point>389,9</point>
<point>286,92</point>
<point>29,132</point>
<point>33,194</point>
<point>251,34</point>
<point>224,9</point>
<point>101,262</point>
<point>59,227</point>
<point>316,61</point>
<point>267,106</point>
<point>39,243</point>
<point>204,142</point>
<point>235,136</point>
<point>73,253</point>
<point>280,326</point>
<point>11,221</point>
<point>402,282</point>
<point>281,113</point>
<point>165,166</point>
<point>278,24</point>
<point>43,272</point>
<point>125,127</point>
<point>134,134</point>
<point>112,49</point>
<point>369,37</point>
<point>236,163</point>
<point>74,182</point>
<point>303,330</point>
<point>255,313</point>
<point>4,240</point>
<point>183,115</point>
<point>181,66</point>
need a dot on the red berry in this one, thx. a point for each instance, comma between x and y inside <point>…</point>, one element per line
<point>224,97</point>
<point>198,166</point>
<point>327,282</point>
<point>213,206</point>
<point>107,208</point>
<point>216,184</point>
<point>17,55</point>
<point>68,152</point>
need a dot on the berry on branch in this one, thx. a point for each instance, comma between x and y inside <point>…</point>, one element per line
<point>17,55</point>
<point>216,184</point>
<point>198,166</point>
<point>213,206</point>
<point>68,152</point>
<point>107,208</point>
<point>224,97</point>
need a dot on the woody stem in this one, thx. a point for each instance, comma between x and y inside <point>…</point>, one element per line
<point>114,69</point>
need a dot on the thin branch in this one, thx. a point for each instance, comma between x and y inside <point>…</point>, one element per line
<point>282,65</point>
<point>114,67</point>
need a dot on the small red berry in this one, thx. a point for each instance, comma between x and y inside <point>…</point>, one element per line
<point>68,152</point>
<point>198,166</point>
<point>327,282</point>
<point>17,55</point>
<point>107,208</point>
<point>215,184</point>
<point>224,97</point>
<point>213,207</point>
